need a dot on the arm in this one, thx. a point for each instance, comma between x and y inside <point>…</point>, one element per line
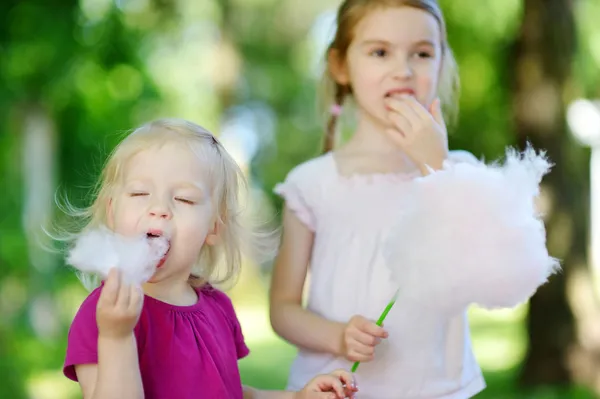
<point>117,374</point>
<point>252,393</point>
<point>114,373</point>
<point>338,384</point>
<point>288,318</point>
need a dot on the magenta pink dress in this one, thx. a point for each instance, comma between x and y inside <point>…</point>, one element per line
<point>185,352</point>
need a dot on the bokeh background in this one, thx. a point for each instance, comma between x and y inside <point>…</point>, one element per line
<point>75,75</point>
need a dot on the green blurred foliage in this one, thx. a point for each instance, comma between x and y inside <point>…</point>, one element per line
<point>96,68</point>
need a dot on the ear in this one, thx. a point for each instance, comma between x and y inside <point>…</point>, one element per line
<point>337,67</point>
<point>110,214</point>
<point>214,234</point>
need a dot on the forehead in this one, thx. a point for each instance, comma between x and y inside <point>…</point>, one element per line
<point>398,25</point>
<point>170,161</point>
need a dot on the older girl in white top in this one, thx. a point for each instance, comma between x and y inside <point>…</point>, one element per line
<point>392,58</point>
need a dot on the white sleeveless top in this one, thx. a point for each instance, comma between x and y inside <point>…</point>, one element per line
<point>423,358</point>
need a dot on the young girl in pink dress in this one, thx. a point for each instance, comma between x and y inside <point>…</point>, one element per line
<point>174,335</point>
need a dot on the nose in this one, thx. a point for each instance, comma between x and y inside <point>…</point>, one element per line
<point>160,211</point>
<point>402,68</point>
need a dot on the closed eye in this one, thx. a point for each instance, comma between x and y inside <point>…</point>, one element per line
<point>185,201</point>
<point>138,194</point>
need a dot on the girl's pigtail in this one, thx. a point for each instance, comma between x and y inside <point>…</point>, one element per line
<point>335,111</point>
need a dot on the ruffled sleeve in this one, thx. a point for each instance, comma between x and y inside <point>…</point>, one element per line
<point>300,192</point>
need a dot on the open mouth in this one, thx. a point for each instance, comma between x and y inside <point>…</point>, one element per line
<point>160,244</point>
<point>154,233</point>
<point>400,93</point>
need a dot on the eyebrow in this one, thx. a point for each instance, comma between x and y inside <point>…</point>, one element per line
<point>371,42</point>
<point>187,184</point>
<point>180,184</point>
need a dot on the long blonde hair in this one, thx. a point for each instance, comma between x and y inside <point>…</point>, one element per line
<point>349,15</point>
<point>227,182</point>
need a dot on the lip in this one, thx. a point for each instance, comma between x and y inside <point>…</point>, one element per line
<point>405,91</point>
<point>164,258</point>
<point>155,234</point>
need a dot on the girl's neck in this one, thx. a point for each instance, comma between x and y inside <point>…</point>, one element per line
<point>370,137</point>
<point>371,151</point>
<point>178,293</point>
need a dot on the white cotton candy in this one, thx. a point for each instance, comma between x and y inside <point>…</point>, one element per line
<point>99,250</point>
<point>469,234</point>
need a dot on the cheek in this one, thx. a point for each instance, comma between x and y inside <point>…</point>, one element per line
<point>124,219</point>
<point>366,80</point>
<point>360,69</point>
<point>427,82</point>
<point>194,222</point>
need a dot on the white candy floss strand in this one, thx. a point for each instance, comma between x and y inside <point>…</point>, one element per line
<point>97,251</point>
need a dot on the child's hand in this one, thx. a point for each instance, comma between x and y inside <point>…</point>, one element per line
<point>119,307</point>
<point>420,133</point>
<point>336,385</point>
<point>360,338</point>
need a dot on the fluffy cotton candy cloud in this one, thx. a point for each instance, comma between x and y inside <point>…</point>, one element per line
<point>470,234</point>
<point>97,251</point>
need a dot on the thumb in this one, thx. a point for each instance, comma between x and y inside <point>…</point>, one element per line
<point>436,111</point>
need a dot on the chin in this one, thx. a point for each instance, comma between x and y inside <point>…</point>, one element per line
<point>154,279</point>
<point>158,275</point>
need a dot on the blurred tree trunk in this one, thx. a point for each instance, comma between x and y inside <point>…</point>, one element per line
<point>541,60</point>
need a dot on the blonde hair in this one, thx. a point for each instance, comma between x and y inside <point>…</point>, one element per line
<point>349,15</point>
<point>225,179</point>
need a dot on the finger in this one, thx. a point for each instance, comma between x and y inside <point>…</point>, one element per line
<point>403,110</point>
<point>329,383</point>
<point>420,111</point>
<point>400,123</point>
<point>347,379</point>
<point>363,338</point>
<point>436,111</point>
<point>136,297</point>
<point>110,290</point>
<point>410,108</point>
<point>361,352</point>
<point>394,104</point>
<point>123,299</point>
<point>373,329</point>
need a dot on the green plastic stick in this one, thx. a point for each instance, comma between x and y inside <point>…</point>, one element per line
<point>380,322</point>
